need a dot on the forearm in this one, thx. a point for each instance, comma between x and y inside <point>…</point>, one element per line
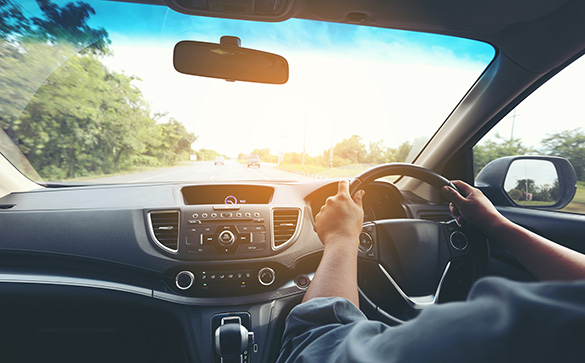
<point>336,275</point>
<point>545,259</point>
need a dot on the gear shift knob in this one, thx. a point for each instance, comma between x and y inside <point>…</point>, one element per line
<point>232,339</point>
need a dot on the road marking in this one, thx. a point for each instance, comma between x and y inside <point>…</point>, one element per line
<point>259,174</point>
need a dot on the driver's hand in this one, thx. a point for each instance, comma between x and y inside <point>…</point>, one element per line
<point>472,205</point>
<point>341,218</point>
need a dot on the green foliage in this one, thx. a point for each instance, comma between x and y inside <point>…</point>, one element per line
<point>493,149</point>
<point>265,155</point>
<point>569,144</point>
<point>83,119</point>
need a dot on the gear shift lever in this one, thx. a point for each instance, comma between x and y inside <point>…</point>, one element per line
<point>232,340</point>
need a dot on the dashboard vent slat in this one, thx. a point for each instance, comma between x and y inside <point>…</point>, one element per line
<point>435,217</point>
<point>285,225</point>
<point>165,227</point>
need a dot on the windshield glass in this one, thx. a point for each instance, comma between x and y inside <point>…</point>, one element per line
<point>89,93</point>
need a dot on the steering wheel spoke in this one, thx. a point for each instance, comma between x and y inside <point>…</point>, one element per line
<point>415,258</point>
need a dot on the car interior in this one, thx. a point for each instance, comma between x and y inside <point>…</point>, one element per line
<point>151,271</point>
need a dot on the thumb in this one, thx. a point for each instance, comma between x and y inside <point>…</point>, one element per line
<point>358,197</point>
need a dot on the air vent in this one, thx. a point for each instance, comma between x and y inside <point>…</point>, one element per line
<point>165,227</point>
<point>285,225</point>
<point>436,217</point>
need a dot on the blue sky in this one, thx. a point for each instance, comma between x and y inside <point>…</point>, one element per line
<point>345,79</point>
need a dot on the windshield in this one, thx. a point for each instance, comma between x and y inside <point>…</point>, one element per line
<point>89,93</point>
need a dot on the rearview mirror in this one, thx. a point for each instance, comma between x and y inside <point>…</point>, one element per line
<point>229,62</point>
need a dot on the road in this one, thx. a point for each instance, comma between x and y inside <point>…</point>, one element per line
<point>204,170</point>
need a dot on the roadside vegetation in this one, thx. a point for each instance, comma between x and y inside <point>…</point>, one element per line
<point>84,119</point>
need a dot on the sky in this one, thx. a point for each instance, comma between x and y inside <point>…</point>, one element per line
<point>556,106</point>
<point>381,84</point>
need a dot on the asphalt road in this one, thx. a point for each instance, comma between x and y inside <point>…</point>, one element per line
<point>205,170</point>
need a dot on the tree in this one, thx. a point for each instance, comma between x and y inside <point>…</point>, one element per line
<point>265,155</point>
<point>69,24</point>
<point>351,149</point>
<point>377,153</point>
<point>569,144</point>
<point>496,148</point>
<point>65,110</point>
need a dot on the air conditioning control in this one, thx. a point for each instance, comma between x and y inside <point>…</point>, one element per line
<point>266,276</point>
<point>184,280</point>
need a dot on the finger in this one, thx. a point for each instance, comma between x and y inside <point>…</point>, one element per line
<point>464,188</point>
<point>343,187</point>
<point>454,210</point>
<point>358,197</point>
<point>453,195</point>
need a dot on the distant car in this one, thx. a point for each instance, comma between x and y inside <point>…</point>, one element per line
<point>254,160</point>
<point>219,160</point>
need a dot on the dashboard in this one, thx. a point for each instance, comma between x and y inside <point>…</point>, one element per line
<point>191,256</point>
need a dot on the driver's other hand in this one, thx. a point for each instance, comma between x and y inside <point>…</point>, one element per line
<point>341,218</point>
<point>472,205</point>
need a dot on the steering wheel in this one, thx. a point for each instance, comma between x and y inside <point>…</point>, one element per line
<point>414,257</point>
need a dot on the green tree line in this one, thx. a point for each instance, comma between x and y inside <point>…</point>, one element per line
<point>67,112</point>
<point>351,150</point>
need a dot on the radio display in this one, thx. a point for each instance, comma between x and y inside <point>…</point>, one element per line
<point>227,194</point>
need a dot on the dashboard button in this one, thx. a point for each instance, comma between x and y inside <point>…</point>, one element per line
<point>195,215</point>
<point>243,229</point>
<point>258,237</point>
<point>248,214</point>
<point>256,214</point>
<point>194,221</point>
<point>198,249</point>
<point>251,247</point>
<point>208,238</point>
<point>213,215</point>
<point>204,215</point>
<point>239,214</point>
<point>226,238</point>
<point>245,238</point>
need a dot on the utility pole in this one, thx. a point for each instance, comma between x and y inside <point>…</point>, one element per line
<point>514,115</point>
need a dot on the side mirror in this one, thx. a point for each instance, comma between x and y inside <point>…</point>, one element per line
<point>542,182</point>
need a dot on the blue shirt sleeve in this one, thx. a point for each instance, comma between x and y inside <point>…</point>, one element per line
<point>501,321</point>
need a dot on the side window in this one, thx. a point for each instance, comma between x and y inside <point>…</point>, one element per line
<point>551,121</point>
